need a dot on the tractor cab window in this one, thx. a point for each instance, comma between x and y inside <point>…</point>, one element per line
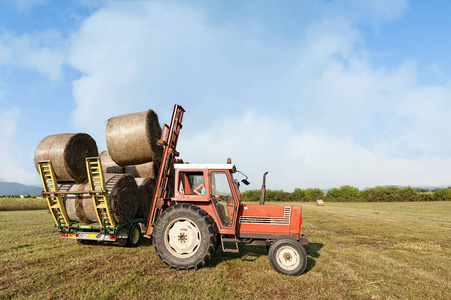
<point>192,183</point>
<point>222,197</point>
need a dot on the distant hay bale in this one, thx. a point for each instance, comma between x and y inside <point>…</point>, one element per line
<point>146,189</point>
<point>122,199</point>
<point>147,170</point>
<point>108,164</point>
<point>319,202</point>
<point>68,152</point>
<point>72,201</point>
<point>132,138</point>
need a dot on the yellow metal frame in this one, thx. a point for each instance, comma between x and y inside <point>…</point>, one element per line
<point>98,192</point>
<point>54,200</point>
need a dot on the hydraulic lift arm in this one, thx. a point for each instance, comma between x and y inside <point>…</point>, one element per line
<point>169,138</point>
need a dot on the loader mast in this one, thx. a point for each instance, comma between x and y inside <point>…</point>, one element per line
<point>169,138</point>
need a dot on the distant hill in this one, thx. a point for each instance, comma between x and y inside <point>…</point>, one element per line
<point>14,188</point>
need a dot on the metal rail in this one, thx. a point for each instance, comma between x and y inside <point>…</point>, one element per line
<point>52,193</point>
<point>98,192</point>
<point>169,138</point>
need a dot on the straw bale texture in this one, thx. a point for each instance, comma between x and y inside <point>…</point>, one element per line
<point>85,208</point>
<point>68,152</point>
<point>146,189</point>
<point>71,201</point>
<point>108,164</point>
<point>132,138</point>
<point>122,199</point>
<point>147,170</point>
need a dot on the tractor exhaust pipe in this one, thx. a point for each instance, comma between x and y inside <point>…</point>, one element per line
<point>263,190</point>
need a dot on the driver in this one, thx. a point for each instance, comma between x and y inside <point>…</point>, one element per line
<point>200,189</point>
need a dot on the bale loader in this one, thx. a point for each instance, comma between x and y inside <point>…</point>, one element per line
<point>105,229</point>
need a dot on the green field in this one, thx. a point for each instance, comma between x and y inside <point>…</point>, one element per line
<point>357,251</point>
<point>10,203</point>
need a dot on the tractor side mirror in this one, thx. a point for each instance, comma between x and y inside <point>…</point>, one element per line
<point>245,179</point>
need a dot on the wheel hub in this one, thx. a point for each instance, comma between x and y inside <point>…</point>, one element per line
<point>183,238</point>
<point>287,258</point>
<point>135,235</point>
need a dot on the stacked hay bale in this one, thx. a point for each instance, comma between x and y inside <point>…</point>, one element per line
<point>132,138</point>
<point>132,148</point>
<point>71,200</point>
<point>122,200</point>
<point>147,170</point>
<point>132,144</point>
<point>68,152</point>
<point>108,164</point>
<point>146,189</point>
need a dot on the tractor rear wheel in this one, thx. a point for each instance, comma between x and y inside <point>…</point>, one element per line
<point>288,257</point>
<point>184,237</point>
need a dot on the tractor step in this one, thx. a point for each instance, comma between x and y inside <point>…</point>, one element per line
<point>231,250</point>
<point>230,240</point>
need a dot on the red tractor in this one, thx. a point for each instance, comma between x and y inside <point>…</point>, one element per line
<point>197,207</point>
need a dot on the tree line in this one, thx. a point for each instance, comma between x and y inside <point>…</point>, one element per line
<point>352,194</point>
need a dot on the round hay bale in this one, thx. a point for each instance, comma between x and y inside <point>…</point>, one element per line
<point>147,170</point>
<point>146,189</point>
<point>122,199</point>
<point>132,138</point>
<point>72,201</point>
<point>68,152</point>
<point>85,208</point>
<point>108,164</point>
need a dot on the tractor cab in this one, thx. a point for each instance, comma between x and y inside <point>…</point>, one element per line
<point>213,188</point>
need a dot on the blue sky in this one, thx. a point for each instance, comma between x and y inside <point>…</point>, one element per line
<point>318,93</point>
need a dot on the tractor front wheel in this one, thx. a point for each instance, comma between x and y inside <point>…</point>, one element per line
<point>184,237</point>
<point>288,257</point>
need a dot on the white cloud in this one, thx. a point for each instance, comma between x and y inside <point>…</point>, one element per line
<point>10,155</point>
<point>44,52</point>
<point>319,113</point>
<point>257,144</point>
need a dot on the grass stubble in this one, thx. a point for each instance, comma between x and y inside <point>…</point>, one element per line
<point>356,251</point>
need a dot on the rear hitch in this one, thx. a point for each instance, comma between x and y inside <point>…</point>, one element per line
<point>303,240</point>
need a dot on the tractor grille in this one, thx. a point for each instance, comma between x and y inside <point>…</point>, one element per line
<point>285,220</point>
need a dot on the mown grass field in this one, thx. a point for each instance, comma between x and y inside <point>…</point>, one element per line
<point>357,251</point>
